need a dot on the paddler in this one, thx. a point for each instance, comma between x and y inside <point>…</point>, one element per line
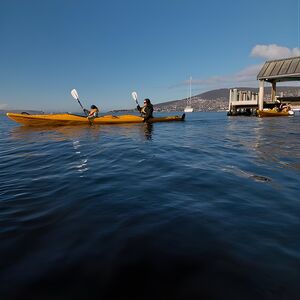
<point>147,110</point>
<point>93,113</point>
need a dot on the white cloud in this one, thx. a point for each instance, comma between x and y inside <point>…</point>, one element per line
<point>274,51</point>
<point>249,72</point>
<point>246,76</point>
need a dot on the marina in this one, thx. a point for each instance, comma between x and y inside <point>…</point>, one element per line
<point>273,72</point>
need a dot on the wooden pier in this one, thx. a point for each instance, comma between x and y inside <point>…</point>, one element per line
<point>242,102</point>
<point>273,71</point>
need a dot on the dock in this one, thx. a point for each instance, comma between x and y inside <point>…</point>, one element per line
<point>273,71</point>
<point>242,102</point>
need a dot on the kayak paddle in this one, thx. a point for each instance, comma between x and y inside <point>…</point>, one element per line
<point>76,97</point>
<point>135,97</point>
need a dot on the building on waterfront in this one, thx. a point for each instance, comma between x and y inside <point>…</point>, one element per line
<point>273,72</point>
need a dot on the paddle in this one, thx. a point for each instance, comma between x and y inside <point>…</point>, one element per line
<point>76,97</point>
<point>135,97</point>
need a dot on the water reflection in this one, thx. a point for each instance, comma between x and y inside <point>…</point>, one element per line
<point>148,128</point>
<point>58,133</point>
<point>77,141</point>
<point>274,142</point>
<point>63,133</point>
<point>277,141</point>
<point>81,164</point>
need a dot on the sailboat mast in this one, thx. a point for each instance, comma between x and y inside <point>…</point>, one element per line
<point>190,89</point>
<point>188,107</point>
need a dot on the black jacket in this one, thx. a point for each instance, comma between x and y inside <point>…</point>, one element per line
<point>146,111</point>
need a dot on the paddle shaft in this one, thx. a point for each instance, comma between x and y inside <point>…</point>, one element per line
<point>81,105</point>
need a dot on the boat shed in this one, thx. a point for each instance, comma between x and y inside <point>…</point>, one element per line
<point>280,70</point>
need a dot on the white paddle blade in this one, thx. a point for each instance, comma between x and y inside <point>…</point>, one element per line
<point>134,96</point>
<point>74,94</point>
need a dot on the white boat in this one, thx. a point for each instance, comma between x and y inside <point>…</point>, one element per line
<point>188,107</point>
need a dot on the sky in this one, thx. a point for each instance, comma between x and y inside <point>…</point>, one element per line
<point>107,49</point>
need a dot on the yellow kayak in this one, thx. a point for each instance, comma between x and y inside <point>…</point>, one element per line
<point>274,113</point>
<point>69,119</point>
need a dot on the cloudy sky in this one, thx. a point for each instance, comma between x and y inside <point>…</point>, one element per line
<point>107,49</point>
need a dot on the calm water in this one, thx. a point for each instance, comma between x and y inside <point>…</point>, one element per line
<point>203,209</point>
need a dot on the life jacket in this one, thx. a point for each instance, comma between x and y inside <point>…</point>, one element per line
<point>143,112</point>
<point>94,114</point>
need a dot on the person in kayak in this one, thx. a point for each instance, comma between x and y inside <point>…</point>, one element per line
<point>285,107</point>
<point>93,113</point>
<point>147,110</point>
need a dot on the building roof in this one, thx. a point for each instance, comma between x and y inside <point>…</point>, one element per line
<point>280,70</point>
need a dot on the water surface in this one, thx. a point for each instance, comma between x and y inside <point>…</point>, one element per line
<point>203,209</point>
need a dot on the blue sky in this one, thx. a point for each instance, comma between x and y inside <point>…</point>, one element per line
<point>107,49</point>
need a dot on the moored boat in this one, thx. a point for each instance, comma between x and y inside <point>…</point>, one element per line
<point>188,109</point>
<point>274,113</point>
<point>70,119</point>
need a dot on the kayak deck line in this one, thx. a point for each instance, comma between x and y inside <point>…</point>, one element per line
<point>70,119</point>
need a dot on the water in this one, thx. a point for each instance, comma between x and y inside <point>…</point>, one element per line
<point>203,209</point>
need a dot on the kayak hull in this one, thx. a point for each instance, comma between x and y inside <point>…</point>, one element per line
<point>69,119</point>
<point>273,113</point>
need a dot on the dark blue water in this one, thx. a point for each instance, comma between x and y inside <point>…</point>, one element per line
<point>203,209</point>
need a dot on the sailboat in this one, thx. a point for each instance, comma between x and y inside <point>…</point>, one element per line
<point>188,107</point>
